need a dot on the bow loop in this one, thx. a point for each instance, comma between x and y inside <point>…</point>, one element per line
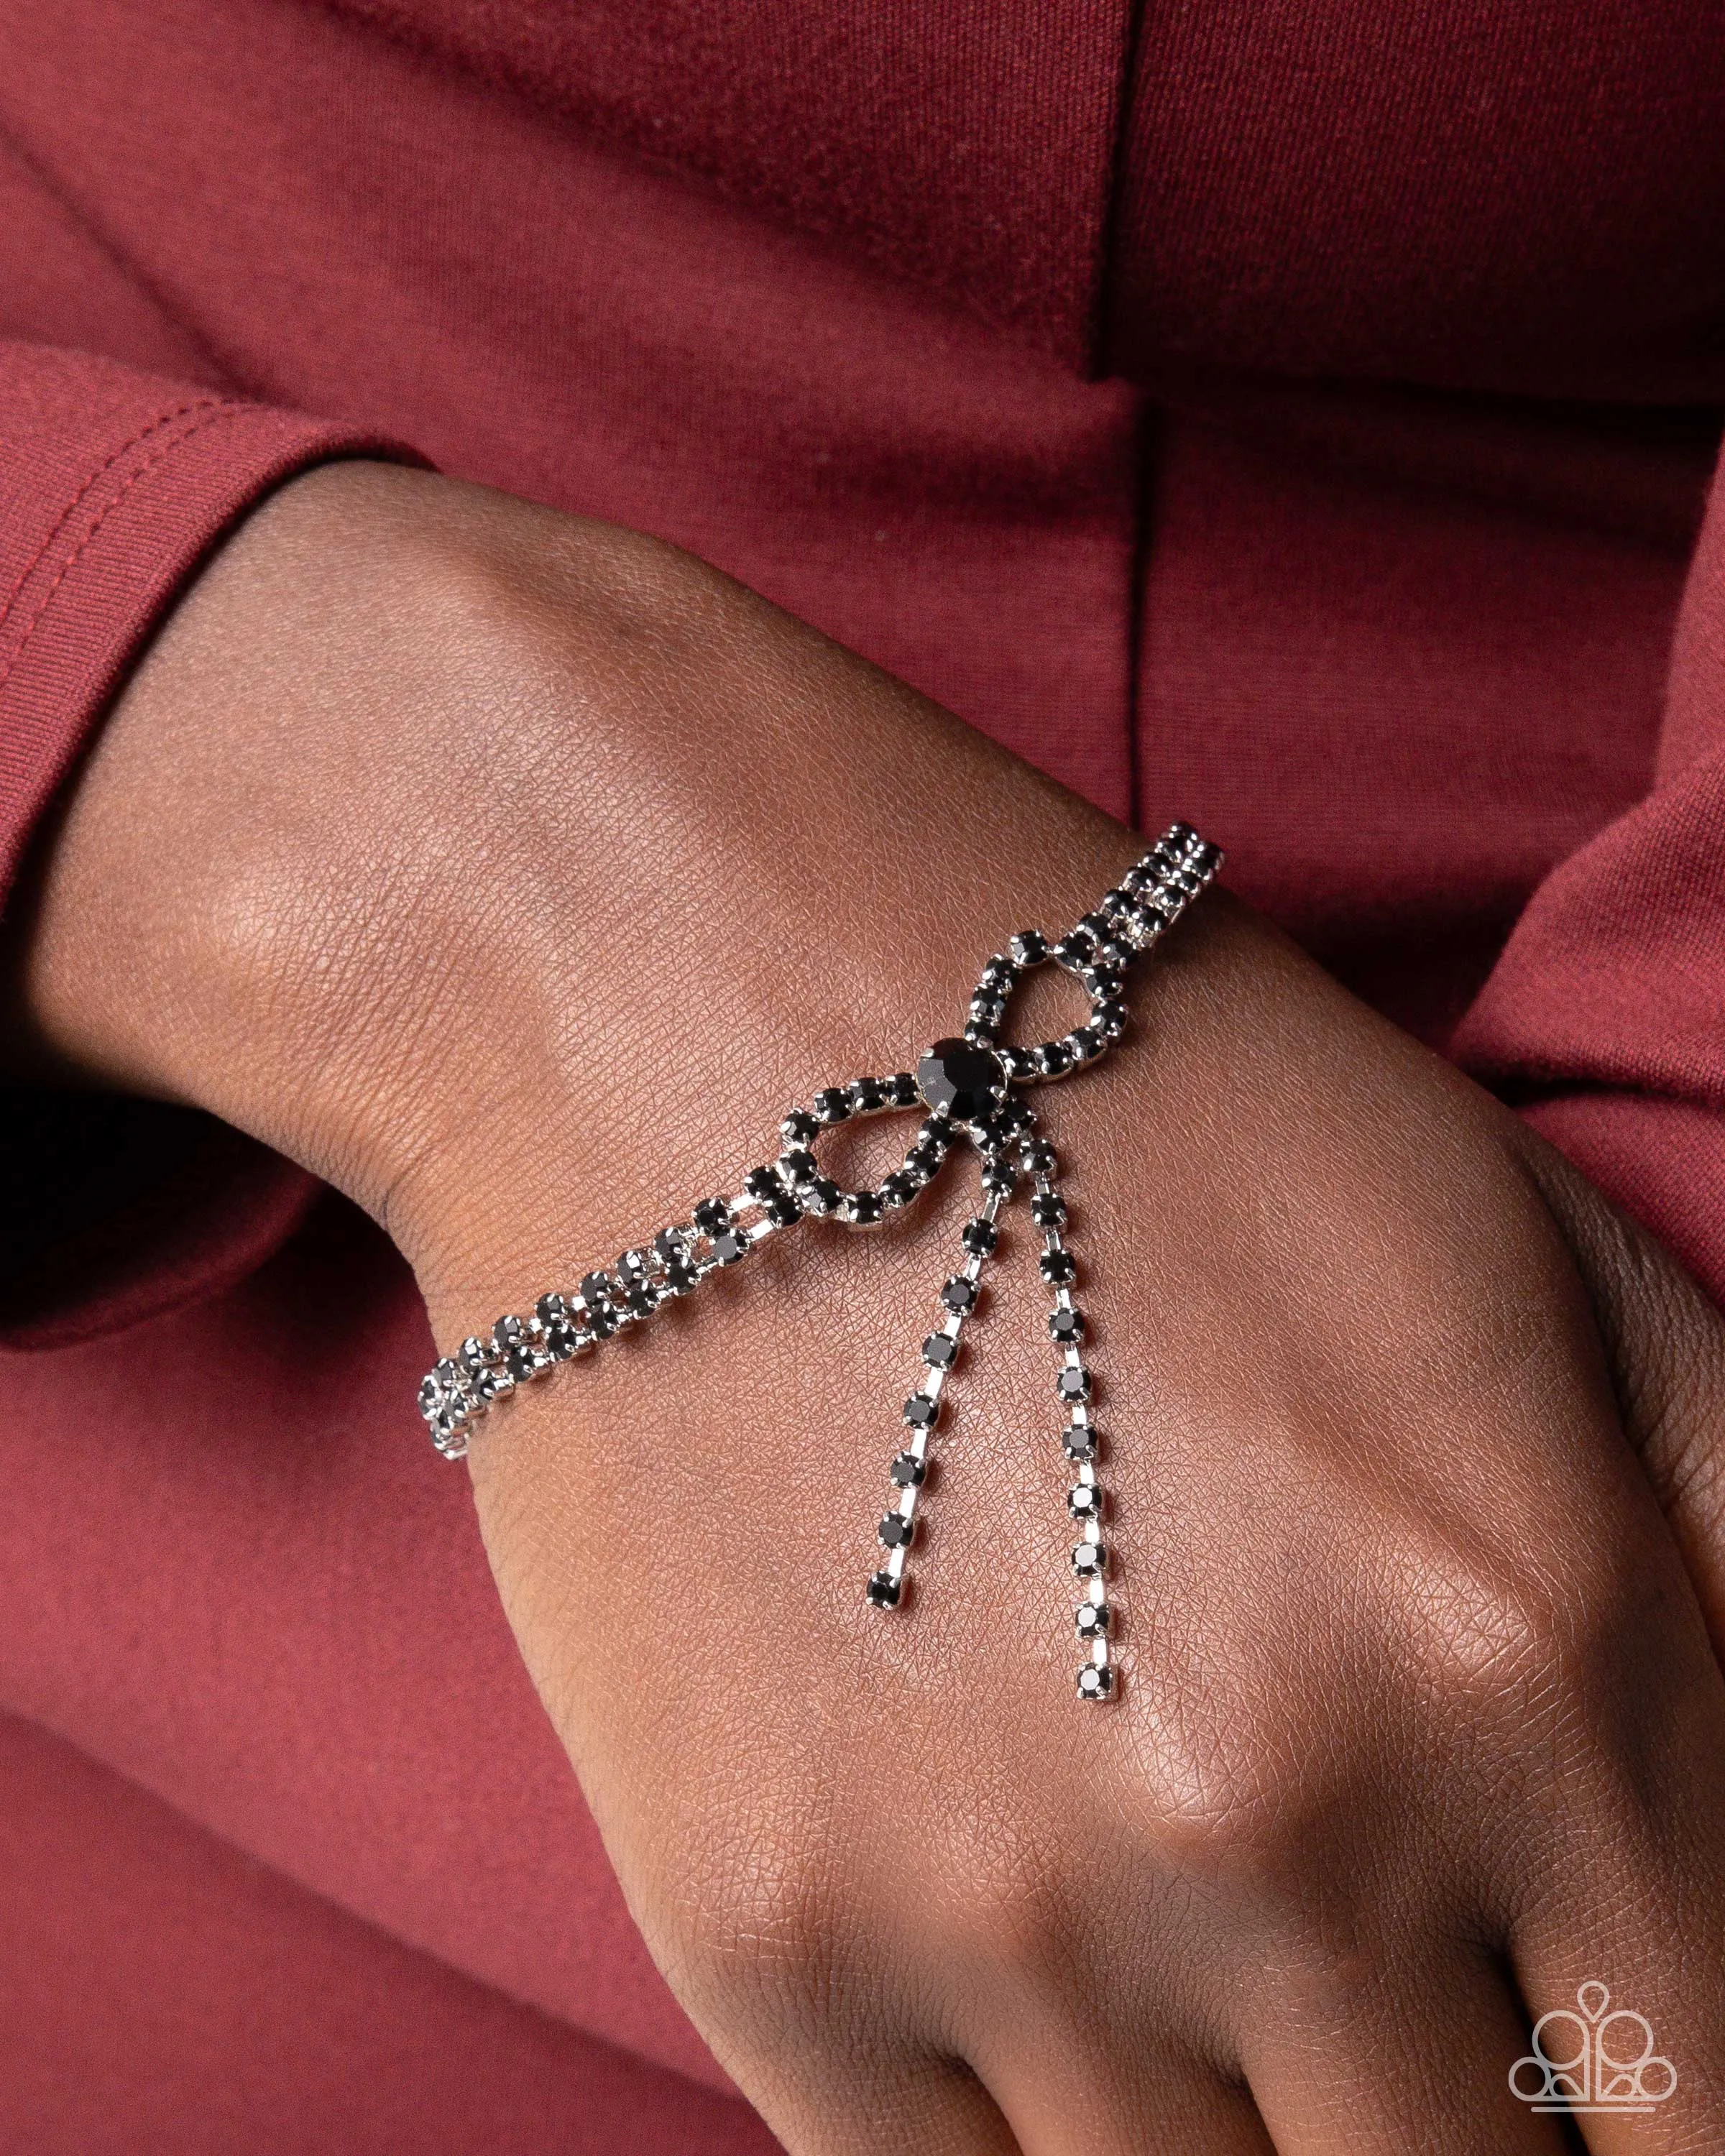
<point>815,1191</point>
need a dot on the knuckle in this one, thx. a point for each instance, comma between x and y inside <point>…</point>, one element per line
<point>1464,1625</point>
<point>1221,1785</point>
<point>753,1932</point>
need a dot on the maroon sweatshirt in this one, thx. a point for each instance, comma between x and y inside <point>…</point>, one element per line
<point>1294,414</point>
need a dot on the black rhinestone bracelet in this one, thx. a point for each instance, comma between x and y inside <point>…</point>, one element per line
<point>968,1088</point>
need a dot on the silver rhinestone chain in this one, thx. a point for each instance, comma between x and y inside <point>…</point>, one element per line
<point>968,1089</point>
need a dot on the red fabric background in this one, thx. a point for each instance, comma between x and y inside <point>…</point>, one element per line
<point>1298,417</point>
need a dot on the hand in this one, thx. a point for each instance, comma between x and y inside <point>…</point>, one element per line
<point>517,874</point>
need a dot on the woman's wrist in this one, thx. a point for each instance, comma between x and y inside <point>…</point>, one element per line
<point>438,837</point>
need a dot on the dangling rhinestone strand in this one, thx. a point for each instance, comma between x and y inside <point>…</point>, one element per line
<point>959,1298</point>
<point>1093,1620</point>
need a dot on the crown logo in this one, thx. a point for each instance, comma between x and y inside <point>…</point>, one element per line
<point>1599,2058</point>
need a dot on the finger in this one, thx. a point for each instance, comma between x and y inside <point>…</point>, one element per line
<point>1073,2089</point>
<point>1625,1946</point>
<point>1664,1344</point>
<point>1417,2060</point>
<point>932,2104</point>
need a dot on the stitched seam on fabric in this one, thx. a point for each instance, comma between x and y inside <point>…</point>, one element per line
<point>95,480</point>
<point>1149,446</point>
<point>71,562</point>
<point>1097,338</point>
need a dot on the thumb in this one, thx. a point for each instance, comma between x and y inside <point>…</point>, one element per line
<point>1664,1343</point>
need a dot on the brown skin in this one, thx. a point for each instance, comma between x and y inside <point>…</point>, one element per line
<point>515,873</point>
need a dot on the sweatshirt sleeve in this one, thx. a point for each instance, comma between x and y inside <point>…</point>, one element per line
<point>114,486</point>
<point>1604,1018</point>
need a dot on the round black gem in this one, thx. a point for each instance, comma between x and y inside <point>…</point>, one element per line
<point>431,1395</point>
<point>907,1470</point>
<point>921,1411</point>
<point>642,1300</point>
<point>472,1356</point>
<point>783,1210</point>
<point>895,1531</point>
<point>867,1094</point>
<point>1091,1619</point>
<point>1058,1268</point>
<point>980,1235</point>
<point>550,1308</point>
<point>1048,1210</point>
<point>960,1294</point>
<point>832,1104</point>
<point>508,1332</point>
<point>596,1290</point>
<point>679,1277</point>
<point>999,975</point>
<point>632,1267</point>
<point>1011,1117</point>
<point>798,1165</point>
<point>1055,1059</point>
<point>1079,1439</point>
<point>1065,1326</point>
<point>865,1208</point>
<point>1094,1683</point>
<point>712,1216</point>
<point>901,1089</point>
<point>760,1185</point>
<point>1088,1559</point>
<point>1040,1158</point>
<point>1084,1501</point>
<point>897,1189</point>
<point>883,1591</point>
<point>1030,947</point>
<point>821,1195</point>
<point>939,1350</point>
<point>670,1246</point>
<point>1075,950</point>
<point>1094,926</point>
<point>963,1079</point>
<point>487,1384</point>
<point>1085,1042</point>
<point>798,1128</point>
<point>1073,1383</point>
<point>1109,1018</point>
<point>521,1365</point>
<point>601,1321</point>
<point>729,1246</point>
<point>561,1340</point>
<point>999,1179</point>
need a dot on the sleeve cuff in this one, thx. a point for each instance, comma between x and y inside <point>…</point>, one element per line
<point>114,489</point>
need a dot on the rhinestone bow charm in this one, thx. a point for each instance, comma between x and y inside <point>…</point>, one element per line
<point>970,1088</point>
